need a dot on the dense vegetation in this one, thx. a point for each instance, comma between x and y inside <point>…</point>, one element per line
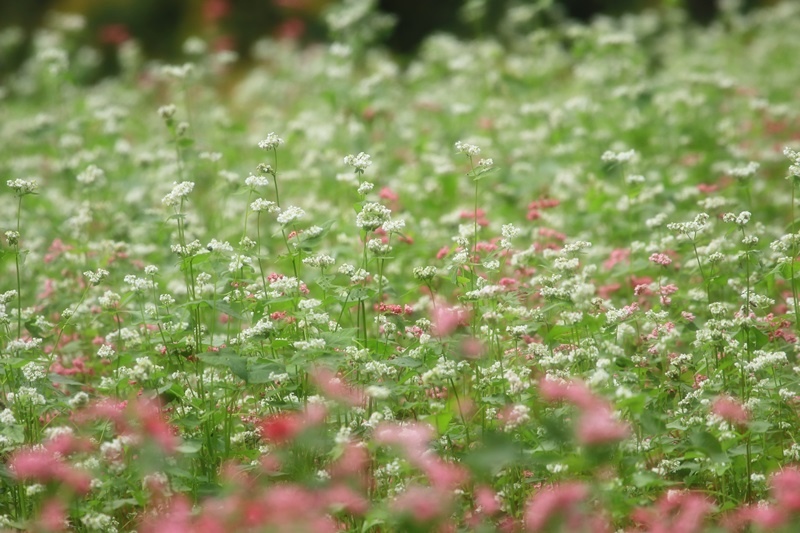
<point>544,285</point>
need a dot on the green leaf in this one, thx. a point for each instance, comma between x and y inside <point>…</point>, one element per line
<point>759,426</point>
<point>709,445</point>
<point>405,362</point>
<point>237,364</point>
<point>189,447</point>
<point>440,421</point>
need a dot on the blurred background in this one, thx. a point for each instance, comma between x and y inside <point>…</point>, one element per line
<point>162,26</point>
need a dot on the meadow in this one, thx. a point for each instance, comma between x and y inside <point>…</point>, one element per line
<point>543,281</point>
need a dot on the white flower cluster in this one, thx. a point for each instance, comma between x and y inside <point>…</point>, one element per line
<point>359,162</point>
<point>99,522</point>
<point>426,273</point>
<point>238,262</point>
<point>745,171</point>
<point>320,260</point>
<point>261,204</point>
<point>740,220</point>
<point>690,229</point>
<point>272,142</point>
<point>764,359</point>
<point>618,157</point>
<point>33,372</point>
<point>97,276</point>
<point>262,328</point>
<point>254,181</point>
<point>179,192</point>
<point>794,157</point>
<point>25,396</point>
<point>372,216</point>
<point>92,174</point>
<point>290,215</point>
<point>22,187</point>
<point>466,148</point>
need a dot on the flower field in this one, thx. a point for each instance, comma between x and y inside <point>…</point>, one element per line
<point>546,281</point>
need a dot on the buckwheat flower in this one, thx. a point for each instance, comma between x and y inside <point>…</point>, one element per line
<point>515,417</point>
<point>97,276</point>
<point>365,187</point>
<point>106,352</point>
<point>290,214</point>
<point>272,142</point>
<point>92,174</point>
<point>794,157</point>
<point>320,260</point>
<point>7,296</point>
<point>23,187</point>
<point>467,149</point>
<point>261,204</point>
<point>486,163</point>
<point>256,181</point>
<point>424,273</point>
<point>394,226</point>
<point>177,71</point>
<point>745,171</point>
<point>560,499</point>
<point>179,192</point>
<point>167,111</point>
<point>359,162</point>
<point>660,259</point>
<point>372,216</point>
<point>730,410</point>
<point>99,522</point>
<point>135,284</point>
<point>12,237</point>
<point>166,300</point>
<point>377,392</point>
<point>618,157</point>
<point>238,262</point>
<point>33,372</point>
<point>7,417</point>
<point>378,248</point>
<point>750,240</point>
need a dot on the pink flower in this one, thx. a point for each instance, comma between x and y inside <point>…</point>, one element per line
<point>786,489</point>
<point>548,502</point>
<point>343,497</point>
<point>574,392</point>
<point>53,516</point>
<point>280,428</point>
<point>766,517</point>
<point>660,259</point>
<point>486,500</point>
<point>676,511</point>
<point>617,256</point>
<point>155,425</point>
<point>352,462</point>
<point>44,466</point>
<point>444,475</point>
<point>422,504</point>
<point>730,410</point>
<point>412,437</point>
<point>598,426</point>
<point>335,387</point>
<point>446,319</point>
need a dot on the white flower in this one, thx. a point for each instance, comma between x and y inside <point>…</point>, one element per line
<point>256,181</point>
<point>179,191</point>
<point>22,187</point>
<point>359,162</point>
<point>372,216</point>
<point>96,277</point>
<point>290,215</point>
<point>271,142</point>
<point>466,148</point>
<point>263,205</point>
